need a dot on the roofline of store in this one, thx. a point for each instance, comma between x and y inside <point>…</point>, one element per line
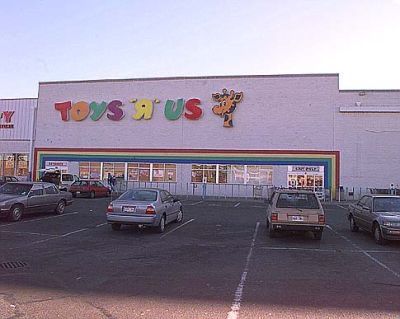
<point>198,78</point>
<point>18,99</point>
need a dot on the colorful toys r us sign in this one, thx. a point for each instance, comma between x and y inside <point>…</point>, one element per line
<point>143,108</point>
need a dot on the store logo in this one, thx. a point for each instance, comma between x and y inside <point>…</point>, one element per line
<point>5,119</point>
<point>143,109</point>
<point>227,105</point>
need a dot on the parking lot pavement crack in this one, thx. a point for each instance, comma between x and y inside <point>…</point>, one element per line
<point>104,311</point>
<point>31,302</point>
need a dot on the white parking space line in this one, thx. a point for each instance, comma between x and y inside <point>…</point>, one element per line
<point>299,249</point>
<point>38,219</point>
<point>189,221</point>
<point>345,208</point>
<point>235,308</point>
<point>27,233</point>
<point>74,232</point>
<point>329,250</point>
<point>365,253</point>
<point>101,224</point>
<point>60,236</point>
<point>237,205</point>
<point>195,203</point>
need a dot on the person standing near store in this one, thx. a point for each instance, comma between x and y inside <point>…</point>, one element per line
<point>110,180</point>
<point>113,182</point>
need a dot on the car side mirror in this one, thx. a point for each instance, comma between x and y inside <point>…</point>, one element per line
<point>30,195</point>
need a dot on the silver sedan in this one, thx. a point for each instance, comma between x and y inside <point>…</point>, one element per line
<point>144,206</point>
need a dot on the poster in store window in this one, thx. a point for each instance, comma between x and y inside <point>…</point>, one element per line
<point>158,173</point>
<point>10,161</point>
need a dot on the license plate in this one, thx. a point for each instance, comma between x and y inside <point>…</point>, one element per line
<point>129,209</point>
<point>297,218</point>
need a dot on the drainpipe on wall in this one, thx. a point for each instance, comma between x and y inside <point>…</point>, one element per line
<point>34,107</point>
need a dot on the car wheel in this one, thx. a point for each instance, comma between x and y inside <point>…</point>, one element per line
<point>16,213</point>
<point>353,225</point>
<point>92,194</point>
<point>60,208</point>
<point>161,225</point>
<point>317,235</point>
<point>179,217</point>
<point>116,226</point>
<point>378,235</point>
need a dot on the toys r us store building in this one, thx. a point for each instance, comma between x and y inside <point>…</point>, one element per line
<point>223,135</point>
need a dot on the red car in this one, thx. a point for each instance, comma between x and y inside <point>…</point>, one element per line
<point>90,188</point>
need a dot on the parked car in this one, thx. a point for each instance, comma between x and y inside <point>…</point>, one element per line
<point>19,198</point>
<point>379,214</point>
<point>145,206</point>
<point>7,179</point>
<point>89,188</point>
<point>62,180</point>
<point>295,210</point>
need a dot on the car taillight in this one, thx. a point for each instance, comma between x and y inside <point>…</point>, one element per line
<point>274,217</point>
<point>321,219</point>
<point>110,208</point>
<point>150,210</point>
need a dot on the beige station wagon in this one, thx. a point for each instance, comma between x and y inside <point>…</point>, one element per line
<point>295,210</point>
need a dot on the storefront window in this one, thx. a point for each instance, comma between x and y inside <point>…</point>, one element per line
<point>84,169</point>
<point>95,169</point>
<point>223,174</point>
<point>115,169</point>
<point>306,177</point>
<point>9,164</point>
<point>164,173</point>
<point>144,172</point>
<point>204,173</point>
<point>133,172</point>
<point>237,173</point>
<point>22,165</point>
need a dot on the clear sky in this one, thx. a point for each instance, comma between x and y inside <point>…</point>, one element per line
<point>55,40</point>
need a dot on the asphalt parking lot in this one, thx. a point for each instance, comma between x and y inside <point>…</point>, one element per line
<point>218,263</point>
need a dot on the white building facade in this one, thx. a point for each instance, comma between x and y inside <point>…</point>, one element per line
<point>17,122</point>
<point>228,134</point>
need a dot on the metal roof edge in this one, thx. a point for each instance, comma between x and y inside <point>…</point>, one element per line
<point>195,78</point>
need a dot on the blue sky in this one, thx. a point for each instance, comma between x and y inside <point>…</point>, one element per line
<point>78,40</point>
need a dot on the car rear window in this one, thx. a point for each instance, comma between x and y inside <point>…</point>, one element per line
<point>297,200</point>
<point>387,204</point>
<point>67,177</point>
<point>140,195</point>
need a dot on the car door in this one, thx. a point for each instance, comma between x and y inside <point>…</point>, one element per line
<point>101,189</point>
<point>167,202</point>
<point>361,213</point>
<point>368,213</point>
<point>34,202</point>
<point>52,197</point>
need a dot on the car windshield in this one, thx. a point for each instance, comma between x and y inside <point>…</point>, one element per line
<point>140,195</point>
<point>15,189</point>
<point>297,200</point>
<point>387,204</point>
